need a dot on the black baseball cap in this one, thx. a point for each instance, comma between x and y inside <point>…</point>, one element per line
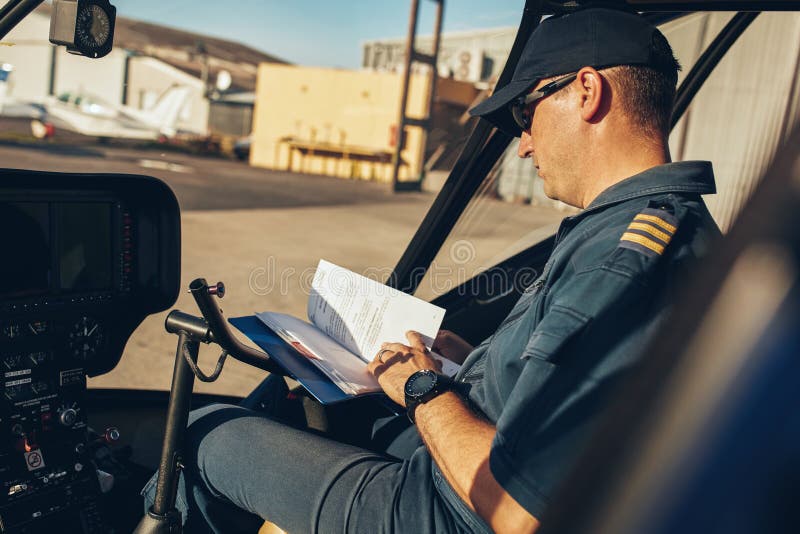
<point>592,37</point>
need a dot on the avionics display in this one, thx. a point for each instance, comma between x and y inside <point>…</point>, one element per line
<point>84,246</point>
<point>25,241</point>
<point>55,247</point>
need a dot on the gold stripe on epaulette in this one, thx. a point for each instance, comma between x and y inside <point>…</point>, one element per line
<point>658,248</point>
<point>656,220</point>
<point>650,229</point>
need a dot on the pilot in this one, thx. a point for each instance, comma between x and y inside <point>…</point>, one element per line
<point>591,100</point>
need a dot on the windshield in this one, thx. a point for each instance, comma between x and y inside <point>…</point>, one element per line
<point>275,125</point>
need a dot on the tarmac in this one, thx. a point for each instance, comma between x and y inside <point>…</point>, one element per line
<point>262,233</point>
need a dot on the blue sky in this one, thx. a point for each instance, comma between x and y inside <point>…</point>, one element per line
<point>316,32</point>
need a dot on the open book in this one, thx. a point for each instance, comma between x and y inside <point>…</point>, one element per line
<point>350,317</point>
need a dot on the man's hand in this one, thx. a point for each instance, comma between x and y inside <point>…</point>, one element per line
<point>451,346</point>
<point>459,441</point>
<point>395,362</point>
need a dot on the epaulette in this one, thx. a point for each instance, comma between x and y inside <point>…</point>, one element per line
<point>650,232</point>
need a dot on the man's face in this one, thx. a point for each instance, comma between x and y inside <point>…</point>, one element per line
<point>550,143</point>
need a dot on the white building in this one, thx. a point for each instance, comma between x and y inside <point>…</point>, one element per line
<point>147,59</point>
<point>471,56</point>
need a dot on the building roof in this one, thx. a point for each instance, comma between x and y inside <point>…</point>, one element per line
<point>477,33</point>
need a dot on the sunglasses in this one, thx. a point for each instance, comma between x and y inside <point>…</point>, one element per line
<point>521,106</point>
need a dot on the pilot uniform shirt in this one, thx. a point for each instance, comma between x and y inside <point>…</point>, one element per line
<point>546,373</point>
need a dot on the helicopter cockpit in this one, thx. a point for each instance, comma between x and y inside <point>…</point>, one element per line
<point>87,257</point>
<point>93,256</point>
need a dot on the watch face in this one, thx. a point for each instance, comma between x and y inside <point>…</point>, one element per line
<point>420,383</point>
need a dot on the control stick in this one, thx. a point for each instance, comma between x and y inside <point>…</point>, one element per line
<point>163,517</point>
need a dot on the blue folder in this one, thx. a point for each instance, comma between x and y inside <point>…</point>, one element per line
<point>296,365</point>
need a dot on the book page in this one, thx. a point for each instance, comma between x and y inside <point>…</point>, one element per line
<point>361,313</point>
<point>344,368</point>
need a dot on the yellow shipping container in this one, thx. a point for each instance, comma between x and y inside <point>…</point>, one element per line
<point>335,122</point>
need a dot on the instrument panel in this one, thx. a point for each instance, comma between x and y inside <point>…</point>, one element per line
<point>83,260</point>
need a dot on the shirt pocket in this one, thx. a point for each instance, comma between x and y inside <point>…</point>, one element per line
<point>529,298</point>
<point>558,326</point>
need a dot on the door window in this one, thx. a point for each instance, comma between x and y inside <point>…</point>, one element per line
<point>737,121</point>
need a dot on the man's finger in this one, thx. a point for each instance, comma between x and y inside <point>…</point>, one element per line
<point>415,340</point>
<point>383,355</point>
<point>396,347</point>
<point>441,338</point>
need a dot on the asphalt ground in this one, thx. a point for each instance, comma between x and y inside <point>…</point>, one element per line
<point>262,232</point>
<point>200,183</point>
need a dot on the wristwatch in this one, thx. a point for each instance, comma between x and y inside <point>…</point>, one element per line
<point>422,386</point>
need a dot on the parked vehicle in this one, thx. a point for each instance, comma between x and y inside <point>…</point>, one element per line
<point>241,148</point>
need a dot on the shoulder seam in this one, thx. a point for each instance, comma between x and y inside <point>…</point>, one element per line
<point>658,189</point>
<point>615,269</point>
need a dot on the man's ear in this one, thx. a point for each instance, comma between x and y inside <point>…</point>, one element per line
<point>590,90</point>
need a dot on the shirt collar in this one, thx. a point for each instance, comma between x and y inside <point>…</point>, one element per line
<point>682,177</point>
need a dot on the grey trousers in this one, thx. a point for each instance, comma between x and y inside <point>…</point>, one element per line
<point>243,465</point>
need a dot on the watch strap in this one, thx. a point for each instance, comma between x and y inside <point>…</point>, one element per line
<point>443,384</point>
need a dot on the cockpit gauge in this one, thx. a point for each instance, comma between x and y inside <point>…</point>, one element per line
<point>12,330</point>
<point>39,387</point>
<point>12,361</point>
<point>35,328</point>
<point>39,358</point>
<point>14,392</point>
<point>85,27</point>
<point>93,28</point>
<point>85,338</point>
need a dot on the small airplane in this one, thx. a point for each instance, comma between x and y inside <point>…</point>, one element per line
<point>91,116</point>
<point>10,108</point>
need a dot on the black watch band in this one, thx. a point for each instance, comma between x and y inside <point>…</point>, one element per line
<point>423,386</point>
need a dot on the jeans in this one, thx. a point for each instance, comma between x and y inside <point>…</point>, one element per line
<point>243,464</point>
